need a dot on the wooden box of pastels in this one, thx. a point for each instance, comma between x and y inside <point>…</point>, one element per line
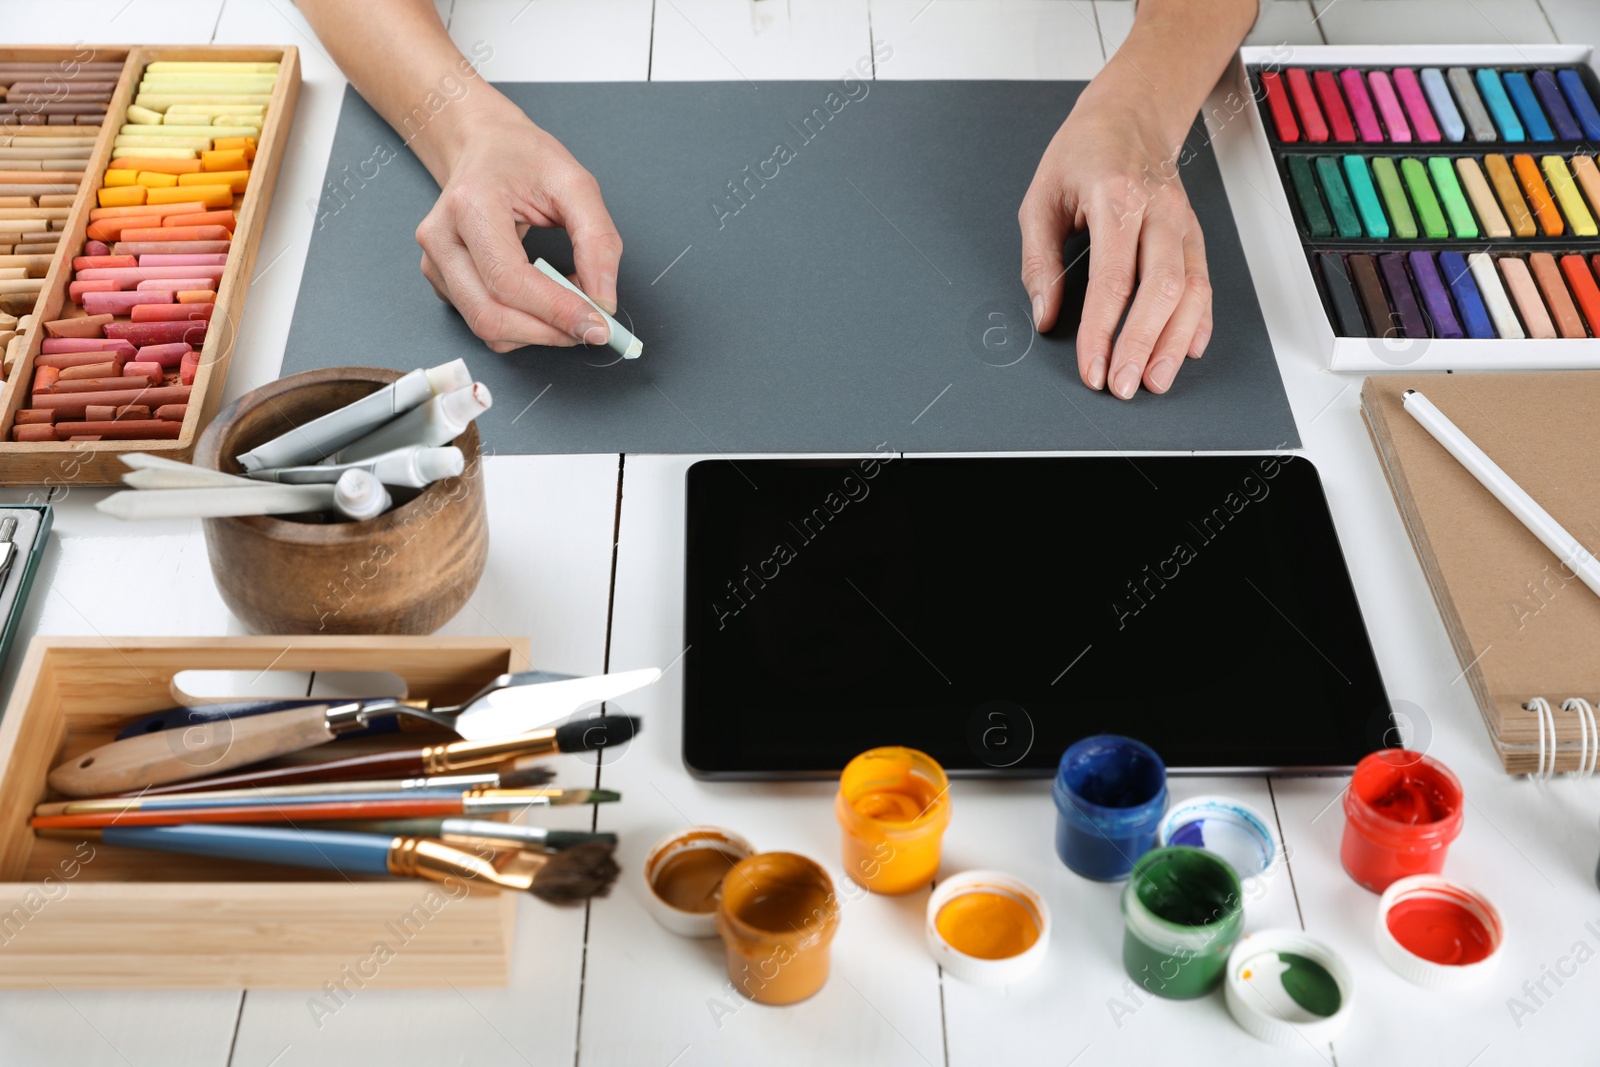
<point>134,184</point>
<point>1445,200</point>
<point>76,911</point>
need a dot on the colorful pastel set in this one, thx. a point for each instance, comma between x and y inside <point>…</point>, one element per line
<point>153,233</point>
<point>1452,197</point>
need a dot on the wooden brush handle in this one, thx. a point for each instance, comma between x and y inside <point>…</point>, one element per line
<point>397,764</point>
<point>181,755</point>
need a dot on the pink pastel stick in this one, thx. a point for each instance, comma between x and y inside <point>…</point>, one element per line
<point>134,275</point>
<point>1405,80</point>
<point>188,259</point>
<point>166,355</point>
<point>1355,90</point>
<point>75,290</point>
<point>87,344</point>
<point>151,372</point>
<point>1394,119</point>
<point>174,284</point>
<point>122,303</point>
<point>96,248</point>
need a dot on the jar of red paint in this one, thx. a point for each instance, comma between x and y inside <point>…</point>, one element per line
<point>1401,812</point>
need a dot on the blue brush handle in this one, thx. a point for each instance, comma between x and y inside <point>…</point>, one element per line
<point>329,850</point>
<point>180,717</point>
<point>178,803</point>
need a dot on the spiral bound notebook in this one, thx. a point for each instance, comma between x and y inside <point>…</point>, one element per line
<point>1526,630</point>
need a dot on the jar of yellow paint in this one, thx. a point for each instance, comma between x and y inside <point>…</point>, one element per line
<point>893,807</point>
<point>987,928</point>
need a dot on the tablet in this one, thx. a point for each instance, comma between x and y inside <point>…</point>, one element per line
<point>992,611</point>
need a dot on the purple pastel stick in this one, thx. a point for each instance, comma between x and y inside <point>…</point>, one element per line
<point>1435,298</point>
<point>1401,296</point>
<point>1555,105</point>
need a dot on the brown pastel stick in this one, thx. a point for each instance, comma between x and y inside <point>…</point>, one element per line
<point>66,387</point>
<point>71,405</point>
<point>130,413</point>
<point>58,200</point>
<point>37,431</point>
<point>108,369</point>
<point>85,437</point>
<point>66,360</point>
<point>37,174</point>
<point>12,214</point>
<point>172,412</point>
<point>35,417</point>
<point>35,188</point>
<point>129,430</point>
<point>17,303</point>
<point>158,333</point>
<point>36,266</point>
<point>21,285</point>
<point>87,326</point>
<point>99,413</point>
<point>16,201</point>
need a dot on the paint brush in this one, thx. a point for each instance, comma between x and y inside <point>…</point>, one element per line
<point>567,877</point>
<point>473,830</point>
<point>339,794</point>
<point>319,809</point>
<point>530,778</point>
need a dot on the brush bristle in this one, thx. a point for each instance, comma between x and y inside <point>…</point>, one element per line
<point>575,874</point>
<point>559,840</point>
<point>530,777</point>
<point>588,735</point>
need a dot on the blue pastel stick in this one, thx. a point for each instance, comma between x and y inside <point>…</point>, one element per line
<point>1527,105</point>
<point>1555,105</point>
<point>1435,297</point>
<point>1443,104</point>
<point>1499,105</point>
<point>1474,316</point>
<point>179,803</point>
<point>1582,103</point>
<point>328,850</point>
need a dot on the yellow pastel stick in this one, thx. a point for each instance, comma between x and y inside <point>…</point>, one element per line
<point>235,180</point>
<point>164,100</point>
<point>220,88</point>
<point>143,116</point>
<point>151,179</point>
<point>123,196</point>
<point>176,130</point>
<point>212,196</point>
<point>176,66</point>
<point>1572,205</point>
<point>148,152</point>
<point>190,144</point>
<point>122,177</point>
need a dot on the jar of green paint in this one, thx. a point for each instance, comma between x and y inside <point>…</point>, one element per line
<point>1182,913</point>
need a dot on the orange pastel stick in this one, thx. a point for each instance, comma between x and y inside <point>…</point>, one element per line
<point>160,166</point>
<point>1584,290</point>
<point>121,196</point>
<point>197,296</point>
<point>108,230</point>
<point>223,159</point>
<point>203,218</point>
<point>161,210</point>
<point>157,232</point>
<point>215,196</point>
<point>233,179</point>
<point>247,144</point>
<point>1544,206</point>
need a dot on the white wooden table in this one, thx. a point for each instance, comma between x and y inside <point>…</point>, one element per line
<point>596,588</point>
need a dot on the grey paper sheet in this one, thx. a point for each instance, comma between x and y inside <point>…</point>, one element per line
<point>861,291</point>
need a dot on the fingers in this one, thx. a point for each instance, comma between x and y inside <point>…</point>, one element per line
<point>1182,337</point>
<point>1161,287</point>
<point>1113,252</point>
<point>596,244</point>
<point>450,269</point>
<point>1044,230</point>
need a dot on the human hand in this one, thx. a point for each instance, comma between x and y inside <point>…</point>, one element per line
<point>1108,169</point>
<point>504,174</point>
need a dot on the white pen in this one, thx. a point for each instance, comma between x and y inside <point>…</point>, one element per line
<point>625,343</point>
<point>1572,553</point>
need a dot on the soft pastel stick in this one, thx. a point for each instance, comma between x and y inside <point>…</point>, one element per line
<point>1366,197</point>
<point>1333,106</point>
<point>1527,105</point>
<point>1565,313</point>
<point>1504,318</point>
<point>1544,206</point>
<point>1582,103</point>
<point>1355,90</point>
<point>1341,295</point>
<point>1305,102</point>
<point>1394,197</point>
<point>1506,188</point>
<point>1278,106</point>
<point>1444,105</point>
<point>212,196</point>
<point>179,259</point>
<point>1499,105</point>
<point>1477,115</point>
<point>1416,176</point>
<point>166,355</point>
<point>1555,106</point>
<point>1345,219</point>
<point>1474,316</point>
<point>52,345</point>
<point>172,285</point>
<point>1482,197</point>
<point>1402,297</point>
<point>1305,190</point>
<point>1567,195</point>
<point>1364,271</point>
<point>1588,177</point>
<point>1416,105</point>
<point>1534,315</point>
<point>168,312</point>
<point>1394,117</point>
<point>1435,297</point>
<point>1584,290</point>
<point>121,303</point>
<point>1462,224</point>
<point>139,235</point>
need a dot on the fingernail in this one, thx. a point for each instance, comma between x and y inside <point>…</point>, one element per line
<point>598,333</point>
<point>1197,347</point>
<point>1097,373</point>
<point>1162,373</point>
<point>1038,310</point>
<point>1126,382</point>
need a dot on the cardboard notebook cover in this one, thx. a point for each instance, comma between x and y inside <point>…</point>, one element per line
<point>1523,626</point>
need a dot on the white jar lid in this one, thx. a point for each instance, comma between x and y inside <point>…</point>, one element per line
<point>679,920</point>
<point>978,970</point>
<point>1286,988</point>
<point>1439,969</point>
<point>1226,827</point>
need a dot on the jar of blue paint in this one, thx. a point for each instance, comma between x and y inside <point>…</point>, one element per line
<point>1110,795</point>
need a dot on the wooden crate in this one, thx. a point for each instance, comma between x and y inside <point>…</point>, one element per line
<point>90,463</point>
<point>96,916</point>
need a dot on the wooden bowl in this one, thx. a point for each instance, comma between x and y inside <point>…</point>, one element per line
<point>408,571</point>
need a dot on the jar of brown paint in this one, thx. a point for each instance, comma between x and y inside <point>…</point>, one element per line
<point>777,918</point>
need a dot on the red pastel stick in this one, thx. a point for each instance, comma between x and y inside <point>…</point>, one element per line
<point>67,360</point>
<point>72,405</point>
<point>166,355</point>
<point>76,289</point>
<point>170,312</point>
<point>1366,116</point>
<point>1344,130</point>
<point>1583,288</point>
<point>181,259</point>
<point>97,385</point>
<point>158,333</point>
<point>1305,102</point>
<point>84,344</point>
<point>1278,105</point>
<point>125,429</point>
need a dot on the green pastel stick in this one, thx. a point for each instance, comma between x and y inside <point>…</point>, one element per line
<point>1416,176</point>
<point>1455,201</point>
<point>1394,197</point>
<point>1305,190</point>
<point>1372,217</point>
<point>1333,187</point>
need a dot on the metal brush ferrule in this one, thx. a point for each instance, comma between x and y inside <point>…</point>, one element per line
<point>416,857</point>
<point>459,755</point>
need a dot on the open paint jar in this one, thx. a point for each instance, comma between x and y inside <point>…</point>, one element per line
<point>777,917</point>
<point>987,928</point>
<point>1401,812</point>
<point>1438,934</point>
<point>683,877</point>
<point>1110,793</point>
<point>1288,989</point>
<point>1230,828</point>
<point>1182,912</point>
<point>893,806</point>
